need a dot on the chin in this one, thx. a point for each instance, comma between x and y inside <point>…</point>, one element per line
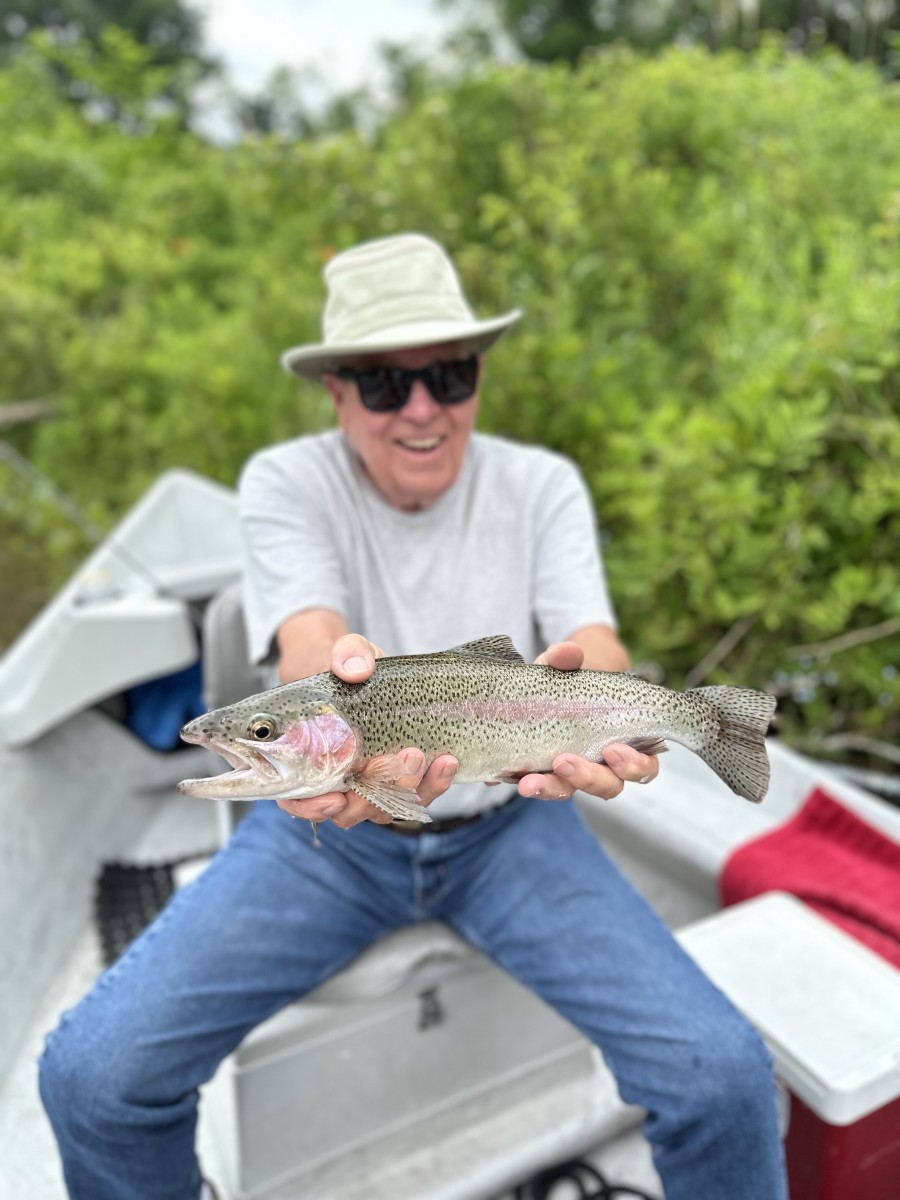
<point>414,495</point>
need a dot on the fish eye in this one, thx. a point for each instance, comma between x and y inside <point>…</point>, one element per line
<point>263,728</point>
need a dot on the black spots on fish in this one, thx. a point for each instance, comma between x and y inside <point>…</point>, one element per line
<point>737,753</point>
<point>748,707</point>
<point>498,713</point>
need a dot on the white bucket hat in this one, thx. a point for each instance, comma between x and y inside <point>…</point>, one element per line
<point>392,294</point>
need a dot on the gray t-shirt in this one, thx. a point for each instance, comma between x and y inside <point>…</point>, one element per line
<point>510,548</point>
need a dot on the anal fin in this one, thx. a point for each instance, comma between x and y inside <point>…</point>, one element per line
<point>647,745</point>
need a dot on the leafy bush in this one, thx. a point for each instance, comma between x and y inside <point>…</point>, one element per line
<point>708,250</point>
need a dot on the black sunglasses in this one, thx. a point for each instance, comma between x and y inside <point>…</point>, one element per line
<point>387,389</point>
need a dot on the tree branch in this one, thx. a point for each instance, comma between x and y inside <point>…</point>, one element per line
<point>846,641</point>
<point>720,650</point>
<point>863,743</point>
<point>20,412</point>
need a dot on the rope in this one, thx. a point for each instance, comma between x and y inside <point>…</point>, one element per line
<point>584,1176</point>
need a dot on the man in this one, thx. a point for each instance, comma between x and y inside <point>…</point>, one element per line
<point>407,531</point>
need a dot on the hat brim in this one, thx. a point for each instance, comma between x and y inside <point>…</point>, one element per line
<point>314,361</point>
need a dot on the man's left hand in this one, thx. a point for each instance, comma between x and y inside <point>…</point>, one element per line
<point>621,764</point>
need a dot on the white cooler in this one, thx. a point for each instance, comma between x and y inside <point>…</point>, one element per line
<point>829,1010</point>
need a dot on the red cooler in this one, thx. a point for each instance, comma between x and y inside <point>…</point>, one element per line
<point>829,1010</point>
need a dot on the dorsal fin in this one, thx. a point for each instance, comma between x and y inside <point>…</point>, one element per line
<point>498,646</point>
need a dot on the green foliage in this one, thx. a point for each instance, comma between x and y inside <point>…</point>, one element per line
<point>171,29</point>
<point>125,63</point>
<point>563,30</point>
<point>708,251</point>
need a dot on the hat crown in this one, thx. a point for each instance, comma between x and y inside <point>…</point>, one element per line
<point>394,293</point>
<point>390,282</point>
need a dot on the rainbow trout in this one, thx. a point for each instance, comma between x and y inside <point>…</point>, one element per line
<point>499,716</point>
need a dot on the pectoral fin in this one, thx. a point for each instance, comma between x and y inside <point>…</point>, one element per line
<point>378,783</point>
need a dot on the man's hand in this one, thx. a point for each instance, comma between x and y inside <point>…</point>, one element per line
<point>622,764</point>
<point>353,659</point>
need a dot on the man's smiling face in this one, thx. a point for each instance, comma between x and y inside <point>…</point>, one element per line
<point>415,454</point>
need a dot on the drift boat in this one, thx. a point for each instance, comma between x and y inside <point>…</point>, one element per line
<point>483,1086</point>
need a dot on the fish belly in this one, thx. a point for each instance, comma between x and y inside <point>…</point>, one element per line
<point>507,738</point>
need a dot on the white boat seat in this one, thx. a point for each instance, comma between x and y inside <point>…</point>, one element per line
<point>424,953</point>
<point>228,674</point>
<point>673,836</point>
<point>125,617</point>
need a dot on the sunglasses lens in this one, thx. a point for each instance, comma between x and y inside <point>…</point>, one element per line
<point>455,381</point>
<point>381,391</point>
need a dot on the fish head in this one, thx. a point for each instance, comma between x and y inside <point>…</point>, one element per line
<point>290,742</point>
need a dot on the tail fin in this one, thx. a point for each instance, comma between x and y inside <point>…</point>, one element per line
<point>738,755</point>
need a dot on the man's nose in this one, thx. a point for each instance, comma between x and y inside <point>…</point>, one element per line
<point>421,404</point>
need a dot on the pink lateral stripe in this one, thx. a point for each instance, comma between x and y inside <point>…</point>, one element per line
<point>521,710</point>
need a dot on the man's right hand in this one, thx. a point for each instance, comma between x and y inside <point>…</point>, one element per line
<point>353,659</point>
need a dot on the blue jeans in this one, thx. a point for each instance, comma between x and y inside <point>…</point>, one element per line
<point>273,916</point>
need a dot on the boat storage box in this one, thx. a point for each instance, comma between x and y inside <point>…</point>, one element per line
<point>829,1010</point>
<point>420,1072</point>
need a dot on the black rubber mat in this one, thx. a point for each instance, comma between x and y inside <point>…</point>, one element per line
<point>127,898</point>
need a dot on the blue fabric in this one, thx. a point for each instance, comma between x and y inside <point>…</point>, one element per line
<point>273,916</point>
<point>155,711</point>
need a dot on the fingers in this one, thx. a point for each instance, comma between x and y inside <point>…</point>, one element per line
<point>429,784</point>
<point>346,809</point>
<point>622,764</point>
<point>437,778</point>
<point>564,656</point>
<point>319,808</point>
<point>630,765</point>
<point>353,657</point>
<point>358,809</point>
<point>545,786</point>
<point>343,809</point>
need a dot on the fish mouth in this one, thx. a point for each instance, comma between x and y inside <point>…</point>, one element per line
<point>252,772</point>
